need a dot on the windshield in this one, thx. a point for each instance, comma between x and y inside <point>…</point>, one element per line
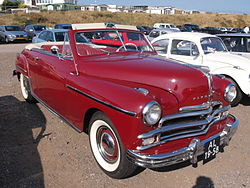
<point>12,28</point>
<point>97,42</point>
<point>212,44</point>
<point>39,27</point>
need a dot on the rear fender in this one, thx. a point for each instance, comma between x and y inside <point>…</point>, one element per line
<point>22,65</point>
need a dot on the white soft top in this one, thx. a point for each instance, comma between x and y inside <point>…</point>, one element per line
<point>101,26</point>
<point>39,45</point>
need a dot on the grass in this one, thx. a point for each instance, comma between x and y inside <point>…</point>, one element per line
<point>51,18</point>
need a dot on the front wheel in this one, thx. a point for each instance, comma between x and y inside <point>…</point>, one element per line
<point>108,149</point>
<point>25,89</point>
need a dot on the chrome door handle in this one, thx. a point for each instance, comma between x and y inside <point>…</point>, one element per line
<point>36,58</point>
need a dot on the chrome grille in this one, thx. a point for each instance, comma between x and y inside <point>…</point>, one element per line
<point>190,121</point>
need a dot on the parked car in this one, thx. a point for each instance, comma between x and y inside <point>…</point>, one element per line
<point>192,27</point>
<point>237,43</point>
<point>34,30</point>
<point>166,25</point>
<point>211,30</point>
<point>142,29</point>
<point>207,50</point>
<point>63,26</point>
<point>158,32</point>
<point>11,33</point>
<point>138,109</point>
<point>149,29</point>
<point>52,35</point>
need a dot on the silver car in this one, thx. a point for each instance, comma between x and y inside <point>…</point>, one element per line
<point>10,33</point>
<point>51,35</point>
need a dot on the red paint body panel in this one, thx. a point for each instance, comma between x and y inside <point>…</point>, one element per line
<point>111,78</point>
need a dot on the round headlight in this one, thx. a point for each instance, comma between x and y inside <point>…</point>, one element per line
<point>230,92</point>
<point>151,113</point>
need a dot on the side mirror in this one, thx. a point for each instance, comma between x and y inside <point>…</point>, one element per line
<point>54,49</point>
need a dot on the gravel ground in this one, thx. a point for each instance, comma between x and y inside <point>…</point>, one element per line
<point>39,150</point>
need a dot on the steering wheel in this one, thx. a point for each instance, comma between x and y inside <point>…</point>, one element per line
<point>127,44</point>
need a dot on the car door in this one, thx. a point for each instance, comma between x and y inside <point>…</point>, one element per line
<point>185,51</point>
<point>49,76</point>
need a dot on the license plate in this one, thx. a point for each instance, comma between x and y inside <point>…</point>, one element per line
<point>211,149</point>
<point>19,38</point>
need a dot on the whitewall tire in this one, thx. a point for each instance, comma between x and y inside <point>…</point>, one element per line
<point>25,89</point>
<point>107,147</point>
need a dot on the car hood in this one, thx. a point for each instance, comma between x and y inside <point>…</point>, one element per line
<point>229,59</point>
<point>190,86</point>
<point>15,33</point>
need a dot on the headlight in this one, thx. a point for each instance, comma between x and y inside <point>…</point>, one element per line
<point>151,113</point>
<point>230,92</point>
<point>11,36</point>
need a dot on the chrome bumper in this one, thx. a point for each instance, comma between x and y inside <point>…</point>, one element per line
<point>195,149</point>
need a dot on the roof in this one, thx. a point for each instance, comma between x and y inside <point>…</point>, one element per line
<point>57,30</point>
<point>234,35</point>
<point>192,36</point>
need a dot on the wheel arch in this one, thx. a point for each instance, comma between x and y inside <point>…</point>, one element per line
<point>87,117</point>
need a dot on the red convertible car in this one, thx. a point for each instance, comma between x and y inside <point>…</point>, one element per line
<point>138,109</point>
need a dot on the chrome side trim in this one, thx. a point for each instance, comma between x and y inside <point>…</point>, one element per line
<point>21,68</point>
<point>191,152</point>
<point>102,102</point>
<point>55,113</point>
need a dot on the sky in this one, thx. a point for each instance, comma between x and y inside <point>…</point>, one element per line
<point>220,6</point>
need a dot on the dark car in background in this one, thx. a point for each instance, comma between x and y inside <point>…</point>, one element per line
<point>142,29</point>
<point>11,33</point>
<point>211,30</point>
<point>192,27</point>
<point>63,26</point>
<point>34,30</point>
<point>237,43</point>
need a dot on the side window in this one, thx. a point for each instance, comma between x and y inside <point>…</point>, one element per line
<point>66,50</point>
<point>184,47</point>
<point>49,36</point>
<point>43,35</point>
<point>161,46</point>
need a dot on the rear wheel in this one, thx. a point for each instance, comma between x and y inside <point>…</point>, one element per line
<point>108,149</point>
<point>25,89</point>
<point>239,94</point>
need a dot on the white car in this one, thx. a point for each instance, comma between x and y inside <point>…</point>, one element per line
<point>207,50</point>
<point>166,25</point>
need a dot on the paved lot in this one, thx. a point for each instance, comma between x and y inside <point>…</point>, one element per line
<point>38,150</point>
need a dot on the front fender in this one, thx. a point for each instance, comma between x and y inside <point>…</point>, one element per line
<point>240,76</point>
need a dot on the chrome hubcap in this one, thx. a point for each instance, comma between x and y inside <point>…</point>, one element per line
<point>107,145</point>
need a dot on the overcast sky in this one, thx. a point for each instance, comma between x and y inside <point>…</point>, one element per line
<point>225,6</point>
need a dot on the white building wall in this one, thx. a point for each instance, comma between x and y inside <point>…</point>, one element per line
<point>45,2</point>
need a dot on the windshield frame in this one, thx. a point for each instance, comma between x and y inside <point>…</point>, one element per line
<point>119,35</point>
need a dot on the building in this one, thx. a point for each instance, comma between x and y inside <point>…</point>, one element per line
<point>1,2</point>
<point>48,2</point>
